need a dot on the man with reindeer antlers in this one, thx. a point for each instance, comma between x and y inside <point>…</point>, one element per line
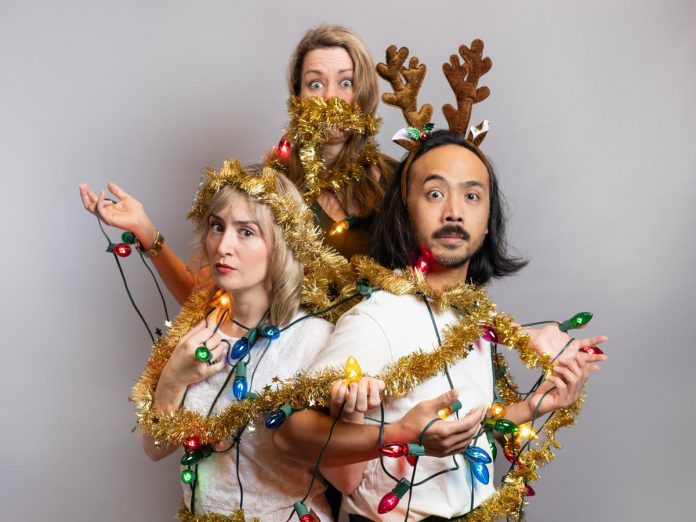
<point>428,330</point>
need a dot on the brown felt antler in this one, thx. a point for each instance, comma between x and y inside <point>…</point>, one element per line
<point>464,78</point>
<point>406,83</point>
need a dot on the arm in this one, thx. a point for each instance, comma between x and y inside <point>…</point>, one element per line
<point>181,371</point>
<point>303,434</point>
<point>128,214</point>
<point>550,340</point>
<point>352,401</point>
<point>561,389</point>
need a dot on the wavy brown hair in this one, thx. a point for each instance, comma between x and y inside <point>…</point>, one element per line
<point>368,192</point>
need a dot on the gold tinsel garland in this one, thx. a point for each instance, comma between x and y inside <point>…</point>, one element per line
<point>313,121</point>
<point>185,515</point>
<point>400,377</point>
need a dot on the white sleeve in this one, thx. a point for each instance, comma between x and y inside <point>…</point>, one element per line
<point>360,335</point>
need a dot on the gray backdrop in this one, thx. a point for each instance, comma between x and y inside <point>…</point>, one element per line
<point>592,113</point>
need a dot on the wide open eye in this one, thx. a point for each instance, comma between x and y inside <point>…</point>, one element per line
<point>315,84</point>
<point>346,83</point>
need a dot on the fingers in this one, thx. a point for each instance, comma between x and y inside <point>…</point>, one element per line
<point>592,341</point>
<point>375,386</point>
<point>361,399</point>
<point>444,400</point>
<point>193,331</point>
<point>89,198</point>
<point>338,396</point>
<point>117,191</point>
<point>351,398</point>
<point>447,438</point>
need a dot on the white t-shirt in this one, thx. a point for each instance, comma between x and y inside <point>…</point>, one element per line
<point>378,331</point>
<point>270,483</point>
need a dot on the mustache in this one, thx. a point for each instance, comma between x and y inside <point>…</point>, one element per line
<point>451,230</point>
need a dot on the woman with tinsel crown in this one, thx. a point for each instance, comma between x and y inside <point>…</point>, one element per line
<point>237,337</point>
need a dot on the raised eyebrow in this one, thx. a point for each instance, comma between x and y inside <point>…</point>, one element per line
<point>438,177</point>
<point>246,222</point>
<point>345,71</point>
<point>240,222</point>
<point>313,71</point>
<point>434,177</point>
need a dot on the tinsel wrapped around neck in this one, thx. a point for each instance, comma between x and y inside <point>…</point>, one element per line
<point>313,121</point>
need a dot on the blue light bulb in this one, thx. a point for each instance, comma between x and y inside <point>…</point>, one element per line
<point>480,471</point>
<point>239,349</point>
<point>240,386</point>
<point>476,454</point>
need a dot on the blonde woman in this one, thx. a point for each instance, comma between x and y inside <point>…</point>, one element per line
<point>249,261</point>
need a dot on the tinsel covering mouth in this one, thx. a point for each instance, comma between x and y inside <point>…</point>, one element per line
<point>314,119</point>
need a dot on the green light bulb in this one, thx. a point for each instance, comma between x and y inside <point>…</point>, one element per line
<point>502,425</point>
<point>579,320</point>
<point>187,476</point>
<point>202,353</point>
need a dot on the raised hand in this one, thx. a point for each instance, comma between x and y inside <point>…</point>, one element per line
<point>183,369</point>
<point>563,387</point>
<point>127,213</point>
<point>550,340</point>
<point>358,397</point>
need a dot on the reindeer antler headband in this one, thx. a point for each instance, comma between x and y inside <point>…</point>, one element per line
<point>463,77</point>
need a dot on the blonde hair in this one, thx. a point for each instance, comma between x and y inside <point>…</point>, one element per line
<point>285,270</point>
<point>368,192</point>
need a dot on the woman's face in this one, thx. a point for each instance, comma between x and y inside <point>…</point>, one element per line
<point>239,255</point>
<point>327,73</point>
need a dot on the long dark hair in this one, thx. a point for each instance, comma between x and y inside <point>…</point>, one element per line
<point>394,244</point>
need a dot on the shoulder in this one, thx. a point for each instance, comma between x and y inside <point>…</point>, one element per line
<point>311,332</point>
<point>382,307</point>
<point>366,331</point>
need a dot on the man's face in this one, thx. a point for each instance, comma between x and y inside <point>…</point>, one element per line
<point>448,203</point>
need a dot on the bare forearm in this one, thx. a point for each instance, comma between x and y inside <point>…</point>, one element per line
<point>175,274</point>
<point>304,433</point>
<point>519,413</point>
<point>171,268</point>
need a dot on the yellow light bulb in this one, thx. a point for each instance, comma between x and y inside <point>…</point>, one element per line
<point>497,410</point>
<point>527,432</point>
<point>449,410</point>
<point>339,227</point>
<point>225,301</point>
<point>444,412</point>
<point>352,371</point>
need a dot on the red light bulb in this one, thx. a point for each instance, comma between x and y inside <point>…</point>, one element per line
<point>592,350</point>
<point>391,499</point>
<point>424,261</point>
<point>529,491</point>
<point>388,502</point>
<point>412,459</point>
<point>306,518</point>
<point>284,149</point>
<point>509,454</point>
<point>192,443</point>
<point>394,449</point>
<point>488,334</point>
<point>122,250</point>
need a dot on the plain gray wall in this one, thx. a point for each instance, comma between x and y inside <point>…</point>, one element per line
<point>593,127</point>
